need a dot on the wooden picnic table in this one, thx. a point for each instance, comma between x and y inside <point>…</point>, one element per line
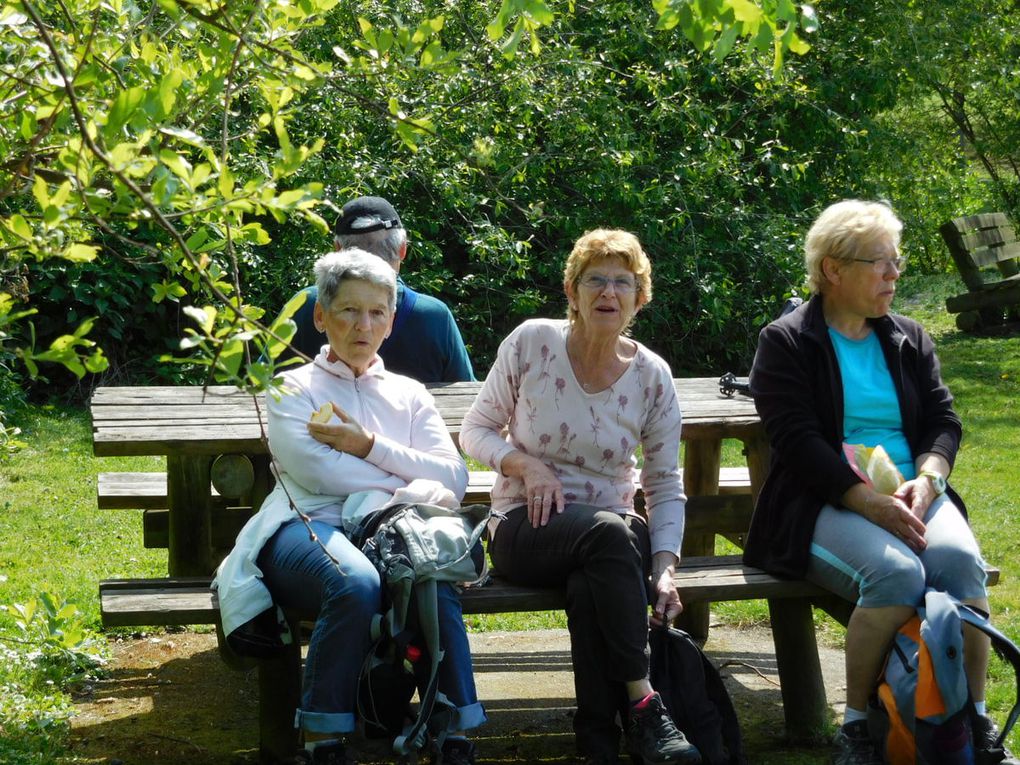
<point>196,429</point>
<point>200,431</point>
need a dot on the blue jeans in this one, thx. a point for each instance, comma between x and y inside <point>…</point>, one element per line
<point>300,576</point>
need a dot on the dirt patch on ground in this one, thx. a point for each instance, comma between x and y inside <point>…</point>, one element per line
<point>170,699</point>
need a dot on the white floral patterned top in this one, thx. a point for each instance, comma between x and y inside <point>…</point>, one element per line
<point>587,439</point>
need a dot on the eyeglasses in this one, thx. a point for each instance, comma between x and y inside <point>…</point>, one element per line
<point>621,284</point>
<point>881,265</point>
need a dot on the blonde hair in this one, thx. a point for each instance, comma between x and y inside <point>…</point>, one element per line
<point>602,244</point>
<point>842,230</point>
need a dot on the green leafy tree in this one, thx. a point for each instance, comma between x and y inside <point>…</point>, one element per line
<point>924,94</point>
<point>160,134</point>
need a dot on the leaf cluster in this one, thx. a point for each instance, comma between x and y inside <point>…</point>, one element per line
<point>44,653</point>
<point>184,150</point>
<point>181,136</point>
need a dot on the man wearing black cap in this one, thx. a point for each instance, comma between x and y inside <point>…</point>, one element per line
<point>425,342</point>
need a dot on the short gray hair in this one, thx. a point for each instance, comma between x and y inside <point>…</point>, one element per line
<point>384,243</point>
<point>334,268</point>
<point>842,230</point>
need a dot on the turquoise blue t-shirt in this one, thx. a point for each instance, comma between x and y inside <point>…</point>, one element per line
<point>871,409</point>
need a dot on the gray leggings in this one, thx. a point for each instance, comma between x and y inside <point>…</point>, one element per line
<point>864,563</point>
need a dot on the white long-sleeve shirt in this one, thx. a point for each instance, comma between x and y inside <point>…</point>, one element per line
<point>411,439</point>
<point>411,442</point>
<point>587,439</point>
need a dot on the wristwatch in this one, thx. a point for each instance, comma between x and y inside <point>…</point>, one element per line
<point>938,481</point>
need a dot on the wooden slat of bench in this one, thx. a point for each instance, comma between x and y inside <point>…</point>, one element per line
<point>1006,292</point>
<point>133,491</point>
<point>161,602</point>
<point>158,606</point>
<point>993,256</point>
<point>147,491</point>
<point>190,601</point>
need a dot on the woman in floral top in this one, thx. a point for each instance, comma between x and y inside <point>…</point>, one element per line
<point>575,399</point>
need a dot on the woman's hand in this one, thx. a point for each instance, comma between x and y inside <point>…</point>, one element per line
<point>542,489</point>
<point>347,437</point>
<point>667,605</point>
<point>917,494</point>
<point>896,517</point>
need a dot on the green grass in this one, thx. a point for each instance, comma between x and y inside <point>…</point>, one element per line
<point>52,537</point>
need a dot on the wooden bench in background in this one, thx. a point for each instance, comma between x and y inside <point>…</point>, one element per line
<point>987,255</point>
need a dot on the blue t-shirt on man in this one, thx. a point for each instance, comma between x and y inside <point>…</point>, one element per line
<point>425,344</point>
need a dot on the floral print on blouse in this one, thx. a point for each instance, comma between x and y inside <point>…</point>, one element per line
<point>587,439</point>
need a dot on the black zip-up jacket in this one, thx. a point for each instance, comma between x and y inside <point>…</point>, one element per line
<point>798,392</point>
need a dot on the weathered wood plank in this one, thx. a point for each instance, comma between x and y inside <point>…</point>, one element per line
<point>225,523</point>
<point>147,490</point>
<point>188,600</point>
<point>986,257</point>
<point>1005,294</point>
<point>190,525</point>
<point>185,420</point>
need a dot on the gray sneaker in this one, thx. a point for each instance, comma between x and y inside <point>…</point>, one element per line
<point>457,751</point>
<point>985,732</point>
<point>854,745</point>
<point>654,739</point>
<point>328,754</point>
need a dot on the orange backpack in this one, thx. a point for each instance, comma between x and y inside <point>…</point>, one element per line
<point>922,708</point>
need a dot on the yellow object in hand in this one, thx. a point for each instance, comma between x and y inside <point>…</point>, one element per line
<point>884,474</point>
<point>324,413</point>
<point>875,466</point>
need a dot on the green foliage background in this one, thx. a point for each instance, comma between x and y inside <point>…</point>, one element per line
<point>499,158</point>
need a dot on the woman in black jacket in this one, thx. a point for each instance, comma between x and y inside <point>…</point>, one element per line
<point>840,370</point>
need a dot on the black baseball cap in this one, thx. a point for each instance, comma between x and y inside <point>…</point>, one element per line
<point>365,215</point>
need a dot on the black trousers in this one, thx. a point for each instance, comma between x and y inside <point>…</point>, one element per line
<point>604,560</point>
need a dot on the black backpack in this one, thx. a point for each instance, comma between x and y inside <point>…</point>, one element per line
<point>695,696</point>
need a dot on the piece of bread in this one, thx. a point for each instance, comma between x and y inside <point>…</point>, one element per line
<point>324,413</point>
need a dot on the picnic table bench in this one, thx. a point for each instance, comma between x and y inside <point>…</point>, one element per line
<point>987,255</point>
<point>218,473</point>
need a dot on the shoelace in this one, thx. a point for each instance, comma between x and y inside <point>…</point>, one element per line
<point>663,723</point>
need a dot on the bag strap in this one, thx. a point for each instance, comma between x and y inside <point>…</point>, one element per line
<point>1007,649</point>
<point>414,735</point>
<point>404,309</point>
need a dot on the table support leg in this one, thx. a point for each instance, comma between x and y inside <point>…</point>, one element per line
<point>188,495</point>
<point>279,697</point>
<point>756,452</point>
<point>701,477</point>
<point>800,673</point>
